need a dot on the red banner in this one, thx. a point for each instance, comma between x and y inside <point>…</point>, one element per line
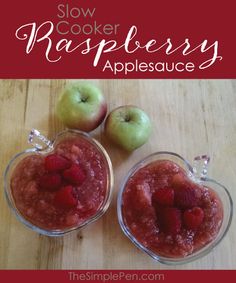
<point>118,276</point>
<point>117,39</point>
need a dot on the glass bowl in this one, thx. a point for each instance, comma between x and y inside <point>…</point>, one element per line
<point>198,174</point>
<point>42,146</point>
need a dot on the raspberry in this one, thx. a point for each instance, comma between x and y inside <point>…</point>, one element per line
<point>193,218</point>
<point>66,197</point>
<point>170,220</point>
<point>164,197</point>
<point>187,195</point>
<point>55,163</point>
<point>51,181</point>
<point>75,175</point>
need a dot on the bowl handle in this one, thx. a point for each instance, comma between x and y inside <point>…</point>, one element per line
<point>200,166</point>
<point>38,141</point>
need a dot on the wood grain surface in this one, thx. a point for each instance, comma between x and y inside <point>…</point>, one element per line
<point>190,117</point>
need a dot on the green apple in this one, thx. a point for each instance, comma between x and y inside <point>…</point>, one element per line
<point>81,106</point>
<point>128,126</point>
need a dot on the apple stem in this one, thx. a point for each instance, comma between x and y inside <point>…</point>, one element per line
<point>127,118</point>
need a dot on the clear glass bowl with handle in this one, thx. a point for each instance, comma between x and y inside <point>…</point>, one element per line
<point>35,207</point>
<point>197,174</point>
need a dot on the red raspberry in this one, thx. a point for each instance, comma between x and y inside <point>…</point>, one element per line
<point>66,197</point>
<point>51,181</point>
<point>75,175</point>
<point>164,197</point>
<point>193,218</point>
<point>55,163</point>
<point>170,220</point>
<point>187,195</point>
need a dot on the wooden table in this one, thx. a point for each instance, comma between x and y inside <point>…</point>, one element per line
<point>189,117</point>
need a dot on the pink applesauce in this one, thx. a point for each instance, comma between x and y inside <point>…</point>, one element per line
<point>38,205</point>
<point>143,219</point>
